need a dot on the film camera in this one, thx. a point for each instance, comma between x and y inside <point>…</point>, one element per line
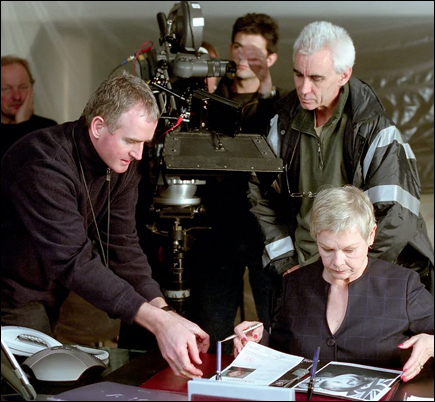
<point>198,134</point>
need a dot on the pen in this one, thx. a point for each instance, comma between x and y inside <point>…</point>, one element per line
<point>251,328</point>
<point>313,373</point>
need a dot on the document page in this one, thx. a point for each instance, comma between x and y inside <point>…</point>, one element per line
<point>259,365</point>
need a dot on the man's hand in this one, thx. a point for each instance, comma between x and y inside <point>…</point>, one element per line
<point>422,350</point>
<point>202,338</point>
<point>26,110</point>
<point>179,348</point>
<point>259,63</point>
<point>179,340</point>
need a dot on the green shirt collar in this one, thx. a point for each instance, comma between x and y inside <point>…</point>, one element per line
<point>304,121</point>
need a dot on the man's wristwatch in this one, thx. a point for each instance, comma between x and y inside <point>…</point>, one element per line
<point>271,94</point>
<point>167,308</point>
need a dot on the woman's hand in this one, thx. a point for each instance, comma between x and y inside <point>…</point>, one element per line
<point>422,350</point>
<point>288,271</point>
<point>242,338</point>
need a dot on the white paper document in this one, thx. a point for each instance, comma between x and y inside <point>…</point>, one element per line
<point>259,365</point>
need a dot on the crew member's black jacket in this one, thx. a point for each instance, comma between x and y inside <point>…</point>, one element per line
<point>377,160</point>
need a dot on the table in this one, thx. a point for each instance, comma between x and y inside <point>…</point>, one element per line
<point>421,386</point>
<point>149,370</point>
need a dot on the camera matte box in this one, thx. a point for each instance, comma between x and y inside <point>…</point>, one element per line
<point>208,152</point>
<point>210,112</point>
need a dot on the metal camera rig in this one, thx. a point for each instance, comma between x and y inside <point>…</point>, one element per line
<point>198,134</point>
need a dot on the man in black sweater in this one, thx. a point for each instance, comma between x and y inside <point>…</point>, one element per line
<point>70,193</point>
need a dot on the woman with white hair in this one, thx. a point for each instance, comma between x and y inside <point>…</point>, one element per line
<point>357,308</point>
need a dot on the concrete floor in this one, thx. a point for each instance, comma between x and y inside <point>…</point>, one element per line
<point>81,323</point>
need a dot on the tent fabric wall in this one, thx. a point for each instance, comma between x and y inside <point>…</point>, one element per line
<point>74,50</point>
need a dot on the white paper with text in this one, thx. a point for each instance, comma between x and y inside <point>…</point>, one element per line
<point>259,365</point>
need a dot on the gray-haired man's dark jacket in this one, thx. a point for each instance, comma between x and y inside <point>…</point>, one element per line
<point>376,159</point>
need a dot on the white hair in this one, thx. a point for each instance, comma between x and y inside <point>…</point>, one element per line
<point>339,209</point>
<point>322,34</point>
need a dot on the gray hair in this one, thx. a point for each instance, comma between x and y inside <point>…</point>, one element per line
<point>338,209</point>
<point>118,94</point>
<point>322,34</point>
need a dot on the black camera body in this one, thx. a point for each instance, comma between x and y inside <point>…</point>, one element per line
<point>176,71</point>
<point>198,137</point>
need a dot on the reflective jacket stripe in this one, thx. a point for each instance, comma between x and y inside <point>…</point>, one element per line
<point>393,193</point>
<point>390,192</point>
<point>273,137</point>
<point>277,248</point>
<point>385,137</point>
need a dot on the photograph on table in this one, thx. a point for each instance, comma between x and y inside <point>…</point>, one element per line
<point>352,381</point>
<point>238,372</point>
